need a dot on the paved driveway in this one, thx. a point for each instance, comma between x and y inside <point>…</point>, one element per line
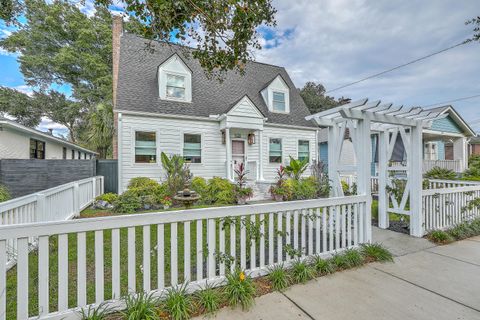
<point>425,282</point>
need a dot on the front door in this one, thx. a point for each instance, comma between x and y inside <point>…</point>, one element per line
<point>238,152</point>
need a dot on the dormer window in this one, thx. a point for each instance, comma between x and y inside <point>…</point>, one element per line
<point>278,101</point>
<point>175,80</point>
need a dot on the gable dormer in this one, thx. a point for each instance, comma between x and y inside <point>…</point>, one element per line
<point>277,96</point>
<point>175,80</point>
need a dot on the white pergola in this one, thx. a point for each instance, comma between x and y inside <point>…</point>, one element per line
<point>362,118</point>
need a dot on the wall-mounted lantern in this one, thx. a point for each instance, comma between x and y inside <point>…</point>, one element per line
<point>224,140</point>
<point>251,138</point>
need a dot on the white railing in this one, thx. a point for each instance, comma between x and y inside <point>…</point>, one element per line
<point>56,204</point>
<point>154,251</point>
<point>454,165</point>
<point>440,184</point>
<point>446,206</point>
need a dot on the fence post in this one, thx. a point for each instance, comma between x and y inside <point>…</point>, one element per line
<point>76,199</point>
<point>41,208</point>
<point>94,188</point>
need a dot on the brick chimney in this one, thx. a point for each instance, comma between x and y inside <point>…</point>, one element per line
<point>117,31</point>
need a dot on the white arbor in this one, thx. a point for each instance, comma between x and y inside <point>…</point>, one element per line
<point>362,119</point>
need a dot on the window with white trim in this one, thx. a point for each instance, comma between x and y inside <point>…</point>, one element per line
<point>275,150</point>
<point>145,147</point>
<point>303,150</point>
<point>192,148</point>
<point>278,101</point>
<point>175,86</point>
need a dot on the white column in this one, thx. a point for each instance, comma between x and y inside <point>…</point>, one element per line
<point>363,172</point>
<point>228,145</point>
<point>383,218</point>
<point>332,162</point>
<point>260,155</point>
<point>317,148</point>
<point>460,152</point>
<point>415,177</point>
<point>119,152</point>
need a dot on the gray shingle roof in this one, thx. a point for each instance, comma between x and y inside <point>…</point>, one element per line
<point>138,85</point>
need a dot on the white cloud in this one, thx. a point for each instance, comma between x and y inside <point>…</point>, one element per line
<point>58,129</point>
<point>335,42</point>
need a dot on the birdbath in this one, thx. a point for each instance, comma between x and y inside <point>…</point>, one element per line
<point>187,197</point>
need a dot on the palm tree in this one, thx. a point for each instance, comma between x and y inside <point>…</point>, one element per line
<point>100,129</point>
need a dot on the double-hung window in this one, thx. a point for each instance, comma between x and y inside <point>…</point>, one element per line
<point>275,150</point>
<point>37,149</point>
<point>176,86</point>
<point>303,150</point>
<point>279,101</point>
<point>192,148</point>
<point>145,147</point>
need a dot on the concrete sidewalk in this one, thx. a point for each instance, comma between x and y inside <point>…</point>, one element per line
<point>425,282</point>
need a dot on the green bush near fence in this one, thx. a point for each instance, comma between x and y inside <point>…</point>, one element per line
<point>4,193</point>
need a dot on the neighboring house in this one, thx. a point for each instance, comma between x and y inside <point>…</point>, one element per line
<point>445,144</point>
<point>474,146</point>
<point>164,102</point>
<point>21,142</point>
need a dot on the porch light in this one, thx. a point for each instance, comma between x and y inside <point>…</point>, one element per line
<point>224,140</point>
<point>251,138</point>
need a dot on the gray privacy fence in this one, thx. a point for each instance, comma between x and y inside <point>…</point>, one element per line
<point>26,176</point>
<point>108,168</point>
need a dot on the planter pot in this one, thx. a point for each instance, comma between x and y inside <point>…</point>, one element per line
<point>165,207</point>
<point>278,197</point>
<point>241,201</point>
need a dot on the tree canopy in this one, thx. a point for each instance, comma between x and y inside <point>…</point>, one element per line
<point>314,96</point>
<point>476,28</point>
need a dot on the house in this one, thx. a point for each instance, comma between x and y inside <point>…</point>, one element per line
<point>474,146</point>
<point>21,142</point>
<point>445,144</point>
<point>164,102</point>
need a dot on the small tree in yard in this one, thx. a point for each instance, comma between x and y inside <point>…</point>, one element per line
<point>296,168</point>
<point>177,172</point>
<point>242,193</point>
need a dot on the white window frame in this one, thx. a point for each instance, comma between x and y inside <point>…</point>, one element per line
<point>176,67</point>
<point>201,146</point>
<point>281,150</point>
<point>284,101</point>
<point>309,150</point>
<point>157,159</point>
<point>185,78</point>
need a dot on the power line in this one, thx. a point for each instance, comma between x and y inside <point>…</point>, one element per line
<point>454,100</point>
<point>398,67</point>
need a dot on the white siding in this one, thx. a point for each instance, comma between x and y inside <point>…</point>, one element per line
<point>170,140</point>
<point>14,145</point>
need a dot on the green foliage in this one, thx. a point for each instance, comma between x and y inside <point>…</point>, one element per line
<point>240,290</point>
<point>319,173</point>
<point>304,188</point>
<point>177,303</point>
<point>149,191</point>
<point>20,106</point>
<point>140,306</point>
<point>209,299</point>
<point>314,97</point>
<point>96,313</point>
<point>127,202</point>
<point>440,237</point>
<point>4,193</point>
<point>100,129</point>
<point>397,189</point>
<point>199,184</point>
<point>279,277</point>
<point>476,29</point>
<point>296,168</point>
<point>220,191</point>
<point>241,191</point>
<point>301,271</point>
<point>440,173</point>
<point>323,266</point>
<point>177,172</point>
<point>141,182</point>
<point>108,197</point>
<point>376,252</point>
<point>473,171</point>
<point>347,259</point>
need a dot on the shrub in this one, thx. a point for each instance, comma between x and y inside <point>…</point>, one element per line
<point>439,236</point>
<point>96,313</point>
<point>108,197</point>
<point>376,252</point>
<point>209,299</point>
<point>140,306</point>
<point>278,276</point>
<point>200,185</point>
<point>220,191</point>
<point>177,172</point>
<point>240,290</point>
<point>177,303</point>
<point>353,257</point>
<point>296,168</point>
<point>4,193</point>
<point>127,202</point>
<point>141,182</point>
<point>319,173</point>
<point>440,173</point>
<point>301,271</point>
<point>304,188</point>
<point>323,266</point>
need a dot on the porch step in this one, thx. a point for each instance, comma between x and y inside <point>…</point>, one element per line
<point>260,191</point>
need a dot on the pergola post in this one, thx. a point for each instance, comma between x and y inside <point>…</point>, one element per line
<point>332,161</point>
<point>416,181</point>
<point>383,217</point>
<point>364,154</point>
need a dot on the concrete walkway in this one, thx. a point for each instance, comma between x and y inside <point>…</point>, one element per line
<point>425,282</point>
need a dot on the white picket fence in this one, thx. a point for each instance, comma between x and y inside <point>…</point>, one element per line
<point>153,251</point>
<point>55,204</point>
<point>454,165</point>
<point>445,203</point>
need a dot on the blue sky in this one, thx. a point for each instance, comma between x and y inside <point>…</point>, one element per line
<point>335,42</point>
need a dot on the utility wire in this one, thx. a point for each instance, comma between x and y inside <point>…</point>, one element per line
<point>454,100</point>
<point>398,67</point>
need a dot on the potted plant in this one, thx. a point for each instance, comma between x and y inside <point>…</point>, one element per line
<point>167,202</point>
<point>242,192</point>
<point>278,191</point>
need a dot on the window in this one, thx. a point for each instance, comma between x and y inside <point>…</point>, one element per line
<point>275,150</point>
<point>145,147</point>
<point>73,154</point>
<point>303,150</point>
<point>37,149</point>
<point>64,153</point>
<point>175,86</point>
<point>279,101</point>
<point>192,148</point>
